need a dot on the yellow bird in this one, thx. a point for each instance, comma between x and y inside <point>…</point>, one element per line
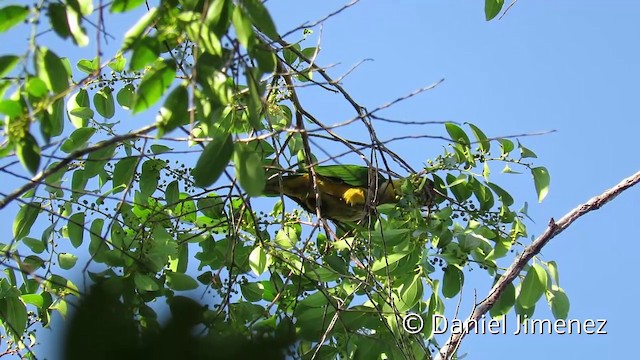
<point>343,191</point>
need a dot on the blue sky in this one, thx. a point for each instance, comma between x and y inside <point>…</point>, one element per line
<point>568,66</point>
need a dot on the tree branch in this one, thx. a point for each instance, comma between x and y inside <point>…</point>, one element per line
<point>554,228</point>
<point>72,156</point>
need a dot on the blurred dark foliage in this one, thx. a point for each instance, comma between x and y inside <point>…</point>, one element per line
<point>104,328</point>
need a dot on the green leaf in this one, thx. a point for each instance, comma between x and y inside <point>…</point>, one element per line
<point>51,69</point>
<point>206,37</point>
<point>310,52</point>
<point>85,7</point>
<point>289,56</point>
<point>118,63</point>
<point>11,108</point>
<point>58,19</point>
<point>410,293</point>
<point>254,102</point>
<point>316,300</point>
<point>181,262</point>
<point>252,291</point>
<point>123,172</point>
<point>505,302</point>
<point>79,102</point>
<point>126,96</point>
<point>55,179</point>
<point>159,149</point>
<point>559,304</point>
<point>33,262</point>
<point>75,228</point>
<point>486,171</point>
<point>180,282</point>
<point>503,245</point>
<point>75,29</point>
<point>154,84</point>
<point>36,300</point>
<point>12,15</point>
<point>83,113</point>
<point>7,63</point>
<point>212,162</point>
<point>96,243</point>
<point>150,175</point>
<point>174,112</point>
<point>541,179</point>
<point>492,8</point>
<point>87,66</point>
<point>67,260</point>
<point>265,57</point>
<point>212,206</point>
<point>459,187</point>
<point>388,236</point>
<point>205,278</point>
<point>14,315</point>
<point>172,194</point>
<point>162,247</point>
<point>484,144</point>
<point>259,260</point>
<point>503,195</point>
<point>24,219</point>
<point>533,287</point>
<point>145,52</point>
<point>78,183</point>
<point>36,87</point>
<point>145,282</point>
<point>36,245</point>
<point>249,169</point>
<point>97,160</point>
<point>28,153</point>
<point>452,281</point>
<point>77,139</point>
<point>103,101</point>
<point>243,27</point>
<point>506,146</point>
<point>260,17</point>
<point>383,262</point>
<point>483,194</point>
<point>286,237</point>
<point>508,170</point>
<point>133,35</point>
<point>457,134</point>
<point>53,124</point>
<point>119,6</point>
<point>553,271</point>
<point>526,153</point>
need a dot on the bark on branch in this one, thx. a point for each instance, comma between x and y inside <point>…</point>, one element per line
<point>554,228</point>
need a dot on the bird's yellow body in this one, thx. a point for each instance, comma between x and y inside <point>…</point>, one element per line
<point>341,198</point>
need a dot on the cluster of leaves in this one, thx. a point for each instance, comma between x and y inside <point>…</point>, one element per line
<point>377,274</point>
<point>490,229</point>
<point>146,226</point>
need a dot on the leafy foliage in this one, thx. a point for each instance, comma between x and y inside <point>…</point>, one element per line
<point>129,209</point>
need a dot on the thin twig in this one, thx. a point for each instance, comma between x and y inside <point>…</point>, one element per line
<point>72,156</point>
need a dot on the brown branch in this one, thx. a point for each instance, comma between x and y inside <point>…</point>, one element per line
<point>72,156</point>
<point>554,228</point>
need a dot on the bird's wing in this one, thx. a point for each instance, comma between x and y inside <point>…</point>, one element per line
<point>354,175</point>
